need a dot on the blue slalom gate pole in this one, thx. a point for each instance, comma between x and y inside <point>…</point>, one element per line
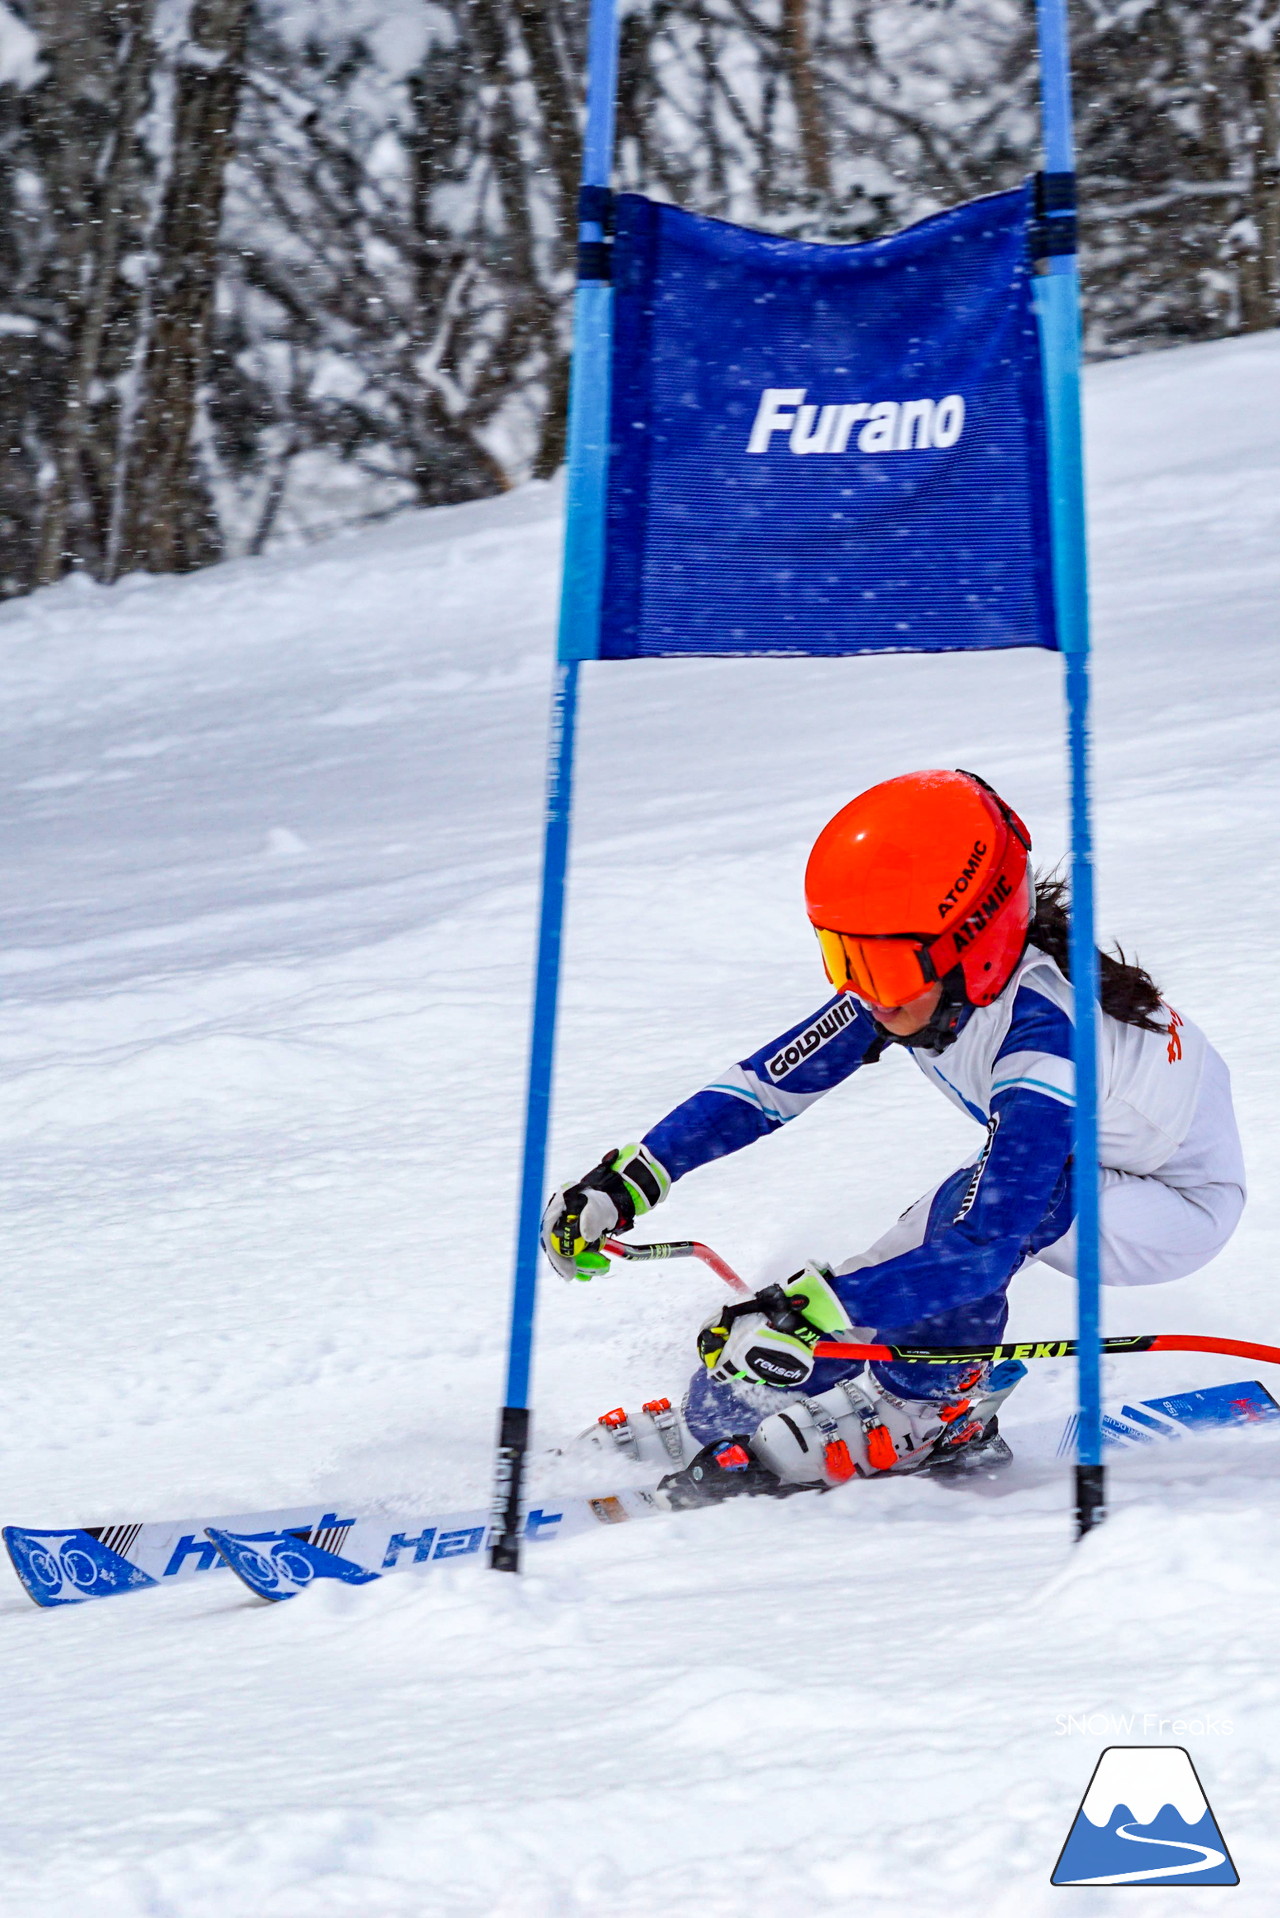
<point>1058,307</point>
<point>580,594</point>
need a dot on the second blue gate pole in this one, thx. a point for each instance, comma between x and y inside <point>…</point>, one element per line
<point>1058,306</point>
<point>580,598</point>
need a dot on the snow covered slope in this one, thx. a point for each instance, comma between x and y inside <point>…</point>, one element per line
<point>268,861</point>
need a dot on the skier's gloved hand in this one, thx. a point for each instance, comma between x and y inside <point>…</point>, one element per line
<point>769,1339</point>
<point>610,1198</point>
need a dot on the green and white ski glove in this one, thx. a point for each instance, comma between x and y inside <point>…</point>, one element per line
<point>769,1339</point>
<point>625,1185</point>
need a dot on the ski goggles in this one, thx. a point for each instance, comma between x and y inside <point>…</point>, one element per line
<point>888,969</point>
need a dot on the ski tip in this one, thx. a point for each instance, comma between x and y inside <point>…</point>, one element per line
<point>67,1567</point>
<point>279,1565</point>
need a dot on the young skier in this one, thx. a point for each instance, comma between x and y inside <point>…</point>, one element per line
<point>932,933</point>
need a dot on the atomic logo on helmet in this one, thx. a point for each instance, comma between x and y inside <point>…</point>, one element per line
<point>905,854</point>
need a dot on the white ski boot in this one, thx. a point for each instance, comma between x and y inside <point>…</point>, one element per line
<point>656,1435</point>
<point>860,1430</point>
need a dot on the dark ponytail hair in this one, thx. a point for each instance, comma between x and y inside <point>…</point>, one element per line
<point>1127,992</point>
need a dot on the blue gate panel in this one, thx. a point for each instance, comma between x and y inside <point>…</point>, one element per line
<point>821,448</point>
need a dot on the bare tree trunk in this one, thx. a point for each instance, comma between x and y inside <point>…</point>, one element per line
<point>99,260</point>
<point>559,101</point>
<point>168,523</point>
<point>810,119</point>
<point>553,445</point>
<point>535,315</point>
<point>1260,287</point>
<point>559,105</point>
<point>448,462</point>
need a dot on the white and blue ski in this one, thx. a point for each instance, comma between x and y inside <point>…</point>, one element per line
<point>278,1554</point>
<point>275,1566</point>
<point>277,1563</point>
<point>1150,1420</point>
<point>70,1564</point>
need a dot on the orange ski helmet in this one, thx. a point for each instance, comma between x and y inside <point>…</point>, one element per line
<point>919,875</point>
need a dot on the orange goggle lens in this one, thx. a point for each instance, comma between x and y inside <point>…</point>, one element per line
<point>887,971</point>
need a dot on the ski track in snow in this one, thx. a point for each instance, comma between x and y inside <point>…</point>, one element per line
<point>269,862</point>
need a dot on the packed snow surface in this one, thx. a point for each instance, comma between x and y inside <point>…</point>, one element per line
<point>270,863</point>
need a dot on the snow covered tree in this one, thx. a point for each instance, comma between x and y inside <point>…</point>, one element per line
<point>1178,107</point>
<point>74,184</point>
<point>84,121</point>
<point>399,256</point>
<point>275,265</point>
<point>169,523</point>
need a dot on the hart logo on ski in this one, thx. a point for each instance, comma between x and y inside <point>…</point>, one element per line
<point>1144,1820</point>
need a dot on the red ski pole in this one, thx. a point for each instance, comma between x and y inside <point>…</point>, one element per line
<point>680,1249</point>
<point>1047,1349</point>
<point>957,1354</point>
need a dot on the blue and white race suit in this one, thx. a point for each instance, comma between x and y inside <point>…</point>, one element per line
<point>1172,1186</point>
